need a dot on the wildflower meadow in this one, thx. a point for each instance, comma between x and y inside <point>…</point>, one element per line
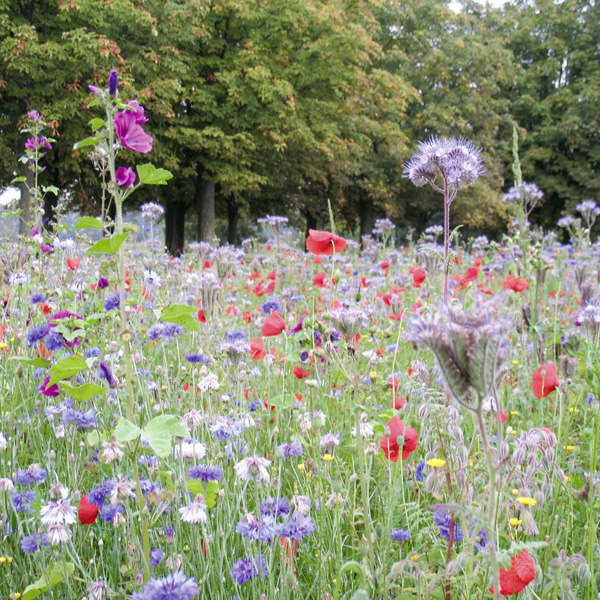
<point>304,417</point>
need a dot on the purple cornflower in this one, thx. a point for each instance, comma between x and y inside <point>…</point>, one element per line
<point>256,529</point>
<point>442,520</point>
<point>198,358</point>
<point>86,419</point>
<point>113,83</point>
<point>274,507</point>
<point>22,502</point>
<point>32,543</point>
<point>175,586</point>
<point>37,297</point>
<point>100,494</point>
<point>294,448</point>
<point>399,535</point>
<point>205,472</point>
<point>110,511</point>
<point>112,302</point>
<point>156,556</point>
<point>36,333</point>
<point>54,340</point>
<point>244,570</point>
<point>268,306</point>
<point>298,527</point>
<point>33,474</point>
<point>419,471</point>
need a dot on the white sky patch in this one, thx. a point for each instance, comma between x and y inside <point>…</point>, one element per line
<point>9,195</point>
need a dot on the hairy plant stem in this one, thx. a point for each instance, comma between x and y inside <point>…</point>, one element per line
<point>491,508</point>
<point>446,238</point>
<point>365,498</point>
<point>592,525</point>
<point>125,337</point>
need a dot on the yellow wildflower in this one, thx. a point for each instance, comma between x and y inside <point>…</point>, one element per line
<point>327,457</point>
<point>515,522</point>
<point>569,448</point>
<point>436,462</point>
<point>527,501</point>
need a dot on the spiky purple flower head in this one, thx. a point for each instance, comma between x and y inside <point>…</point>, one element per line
<point>458,161</point>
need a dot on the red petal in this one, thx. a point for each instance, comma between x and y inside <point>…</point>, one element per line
<point>273,325</point>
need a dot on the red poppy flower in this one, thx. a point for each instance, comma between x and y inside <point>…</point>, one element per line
<point>520,574</point>
<point>319,279</point>
<point>544,381</point>
<point>324,242</point>
<point>389,444</point>
<point>273,325</point>
<point>257,349</point>
<point>201,316</point>
<point>419,276</point>
<point>87,512</point>
<point>517,284</point>
<point>73,263</point>
<point>299,372</point>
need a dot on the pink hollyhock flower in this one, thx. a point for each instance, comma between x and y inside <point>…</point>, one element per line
<point>52,390</point>
<point>125,177</point>
<point>131,134</point>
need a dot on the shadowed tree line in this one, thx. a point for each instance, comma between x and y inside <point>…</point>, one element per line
<point>277,107</point>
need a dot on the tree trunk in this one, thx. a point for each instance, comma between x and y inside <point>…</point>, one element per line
<point>49,219</point>
<point>366,215</point>
<point>233,217</point>
<point>26,216</point>
<point>204,193</point>
<point>175,226</point>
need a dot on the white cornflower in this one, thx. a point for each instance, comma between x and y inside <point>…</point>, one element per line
<point>253,468</point>
<point>58,534</point>
<point>111,451</point>
<point>194,418</point>
<point>58,513</point>
<point>194,512</point>
<point>366,430</point>
<point>6,485</point>
<point>210,382</point>
<point>190,448</point>
<point>3,442</point>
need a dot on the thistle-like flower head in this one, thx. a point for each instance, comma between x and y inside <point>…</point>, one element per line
<point>458,161</point>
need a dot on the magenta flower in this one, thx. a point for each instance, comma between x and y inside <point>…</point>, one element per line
<point>35,143</point>
<point>49,390</point>
<point>138,111</point>
<point>125,177</point>
<point>131,134</point>
<point>34,115</point>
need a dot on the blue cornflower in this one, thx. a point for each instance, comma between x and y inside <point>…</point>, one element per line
<point>112,302</point>
<point>22,502</point>
<point>399,535</point>
<point>205,472</point>
<point>54,340</point>
<point>419,471</point>
<point>99,494</point>
<point>32,543</point>
<point>274,507</point>
<point>156,556</point>
<point>244,570</point>
<point>198,358</point>
<point>109,512</point>
<point>37,298</point>
<point>175,586</point>
<point>442,520</point>
<point>298,527</point>
<point>33,474</point>
<point>92,352</point>
<point>256,529</point>
<point>86,419</point>
<point>36,333</point>
<point>294,448</point>
<point>268,306</point>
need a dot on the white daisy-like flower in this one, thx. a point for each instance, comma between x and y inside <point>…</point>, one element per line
<point>194,512</point>
<point>190,448</point>
<point>58,534</point>
<point>58,513</point>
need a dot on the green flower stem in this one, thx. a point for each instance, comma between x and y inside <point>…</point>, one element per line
<point>592,524</point>
<point>491,508</point>
<point>365,497</point>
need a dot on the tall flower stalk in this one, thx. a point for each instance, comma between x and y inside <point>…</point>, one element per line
<point>459,163</point>
<point>122,129</point>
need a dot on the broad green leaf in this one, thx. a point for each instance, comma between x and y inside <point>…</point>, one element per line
<point>13,213</point>
<point>150,175</point>
<point>18,180</point>
<point>90,141</point>
<point>67,367</point>
<point>109,245</point>
<point>281,401</point>
<point>88,223</point>
<point>52,189</point>
<point>52,576</point>
<point>96,124</point>
<point>195,486</point>
<point>93,437</point>
<point>83,392</point>
<point>126,431</point>
<point>160,431</point>
<point>181,314</point>
<point>39,363</point>
<point>95,102</point>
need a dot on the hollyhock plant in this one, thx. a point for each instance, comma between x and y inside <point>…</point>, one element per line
<point>125,177</point>
<point>544,381</point>
<point>389,444</point>
<point>518,577</point>
<point>324,242</point>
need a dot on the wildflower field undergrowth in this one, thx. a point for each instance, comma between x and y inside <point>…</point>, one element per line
<point>267,422</point>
